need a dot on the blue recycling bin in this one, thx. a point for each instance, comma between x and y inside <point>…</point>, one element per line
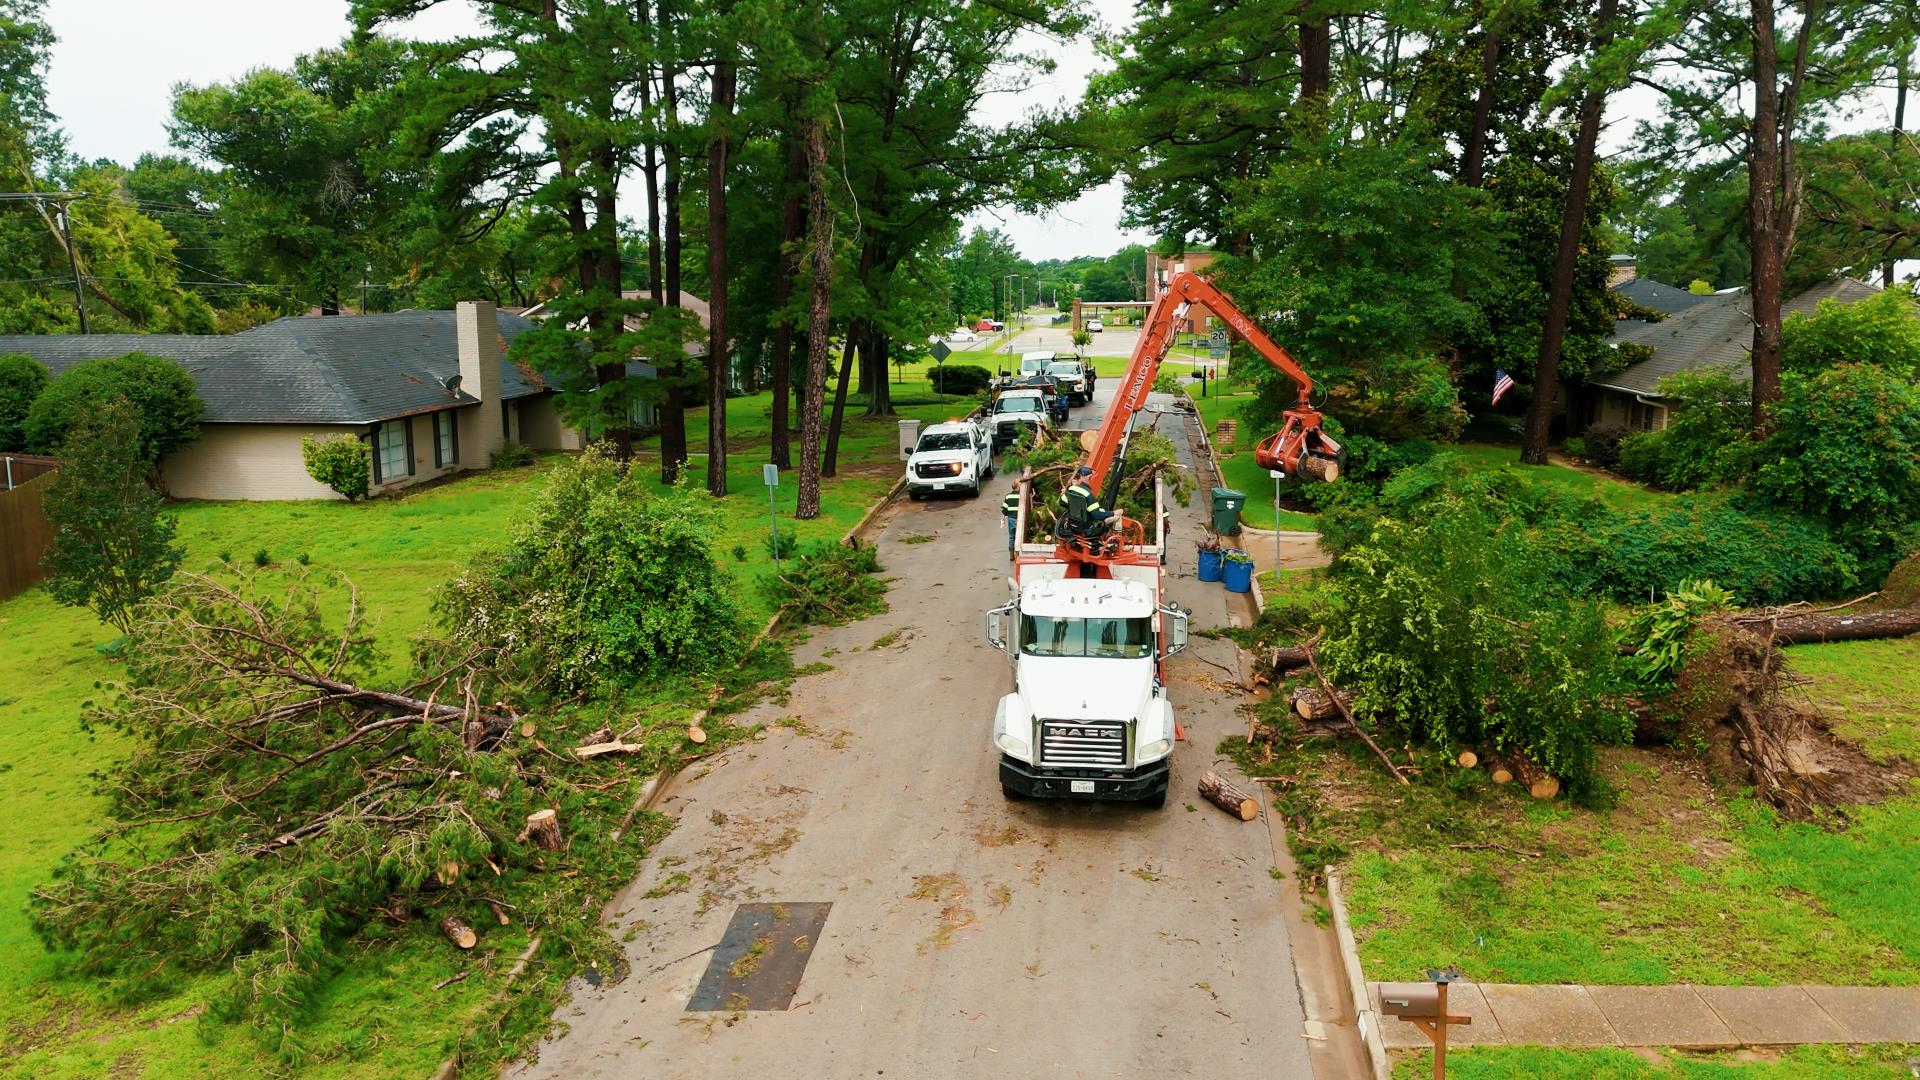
<point>1238,576</point>
<point>1211,563</point>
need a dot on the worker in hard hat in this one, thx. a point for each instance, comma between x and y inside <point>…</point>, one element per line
<point>1081,514</point>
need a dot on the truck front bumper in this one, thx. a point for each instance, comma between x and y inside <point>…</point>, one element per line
<point>1129,785</point>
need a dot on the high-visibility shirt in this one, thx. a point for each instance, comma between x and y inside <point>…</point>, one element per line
<point>1081,504</point>
<point>1011,504</point>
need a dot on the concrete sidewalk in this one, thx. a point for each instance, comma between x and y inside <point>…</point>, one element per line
<point>1688,1017</point>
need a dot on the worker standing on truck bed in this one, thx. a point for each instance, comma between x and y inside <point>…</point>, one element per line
<point>1010,509</point>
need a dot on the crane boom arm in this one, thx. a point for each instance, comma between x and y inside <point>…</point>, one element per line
<point>1300,436</point>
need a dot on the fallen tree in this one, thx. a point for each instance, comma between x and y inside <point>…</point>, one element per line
<point>1789,627</point>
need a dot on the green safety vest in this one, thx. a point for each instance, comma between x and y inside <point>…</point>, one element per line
<point>1011,504</point>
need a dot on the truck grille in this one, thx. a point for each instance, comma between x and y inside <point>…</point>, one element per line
<point>1083,744</point>
<point>940,471</point>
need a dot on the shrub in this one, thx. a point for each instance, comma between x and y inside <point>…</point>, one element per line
<point>262,557</point>
<point>1762,555</point>
<point>22,378</point>
<point>1707,437</point>
<point>1603,443</point>
<point>962,379</point>
<point>112,547</point>
<point>1166,382</point>
<point>342,462</point>
<point>1452,630</point>
<point>604,579</point>
<point>161,393</point>
<point>829,584</point>
<point>1574,447</point>
<point>1660,634</point>
<point>1882,330</point>
<point>1846,447</point>
<point>781,543</point>
<point>511,456</point>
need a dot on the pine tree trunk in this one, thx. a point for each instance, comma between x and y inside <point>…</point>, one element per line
<point>673,407</point>
<point>1566,261</point>
<point>1792,629</point>
<point>608,324</point>
<point>650,162</point>
<point>791,221</point>
<point>1316,53</point>
<point>829,463</point>
<point>820,256</point>
<point>719,347</point>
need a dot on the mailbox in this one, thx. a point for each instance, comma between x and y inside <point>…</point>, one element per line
<point>1410,1001</point>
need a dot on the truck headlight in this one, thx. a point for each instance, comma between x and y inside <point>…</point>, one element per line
<point>1014,745</point>
<point>1153,751</point>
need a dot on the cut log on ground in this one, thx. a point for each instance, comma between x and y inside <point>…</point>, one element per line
<point>1502,776</point>
<point>543,830</point>
<point>1544,788</point>
<point>696,735</point>
<point>1347,715</point>
<point>596,737</point>
<point>1288,657</point>
<point>499,912</point>
<point>1468,759</point>
<point>1315,704</point>
<point>1227,797</point>
<point>459,932</point>
<point>1790,628</point>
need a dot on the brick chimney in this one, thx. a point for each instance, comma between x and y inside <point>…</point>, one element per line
<point>481,355</point>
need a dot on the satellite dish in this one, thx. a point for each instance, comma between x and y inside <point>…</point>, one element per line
<point>450,383</point>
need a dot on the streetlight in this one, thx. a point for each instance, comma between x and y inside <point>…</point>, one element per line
<point>1007,291</point>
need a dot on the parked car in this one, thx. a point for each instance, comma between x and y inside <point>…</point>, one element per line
<point>1074,378</point>
<point>1094,326</point>
<point>989,326</point>
<point>1016,410</point>
<point>962,334</point>
<point>954,456</point>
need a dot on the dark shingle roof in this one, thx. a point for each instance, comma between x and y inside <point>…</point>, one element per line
<point>1716,333</point>
<point>1650,293</point>
<point>330,370</point>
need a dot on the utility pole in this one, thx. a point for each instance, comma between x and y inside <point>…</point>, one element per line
<point>60,200</point>
<point>73,265</point>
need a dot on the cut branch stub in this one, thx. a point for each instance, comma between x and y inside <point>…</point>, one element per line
<point>543,830</point>
<point>459,932</point>
<point>1227,797</point>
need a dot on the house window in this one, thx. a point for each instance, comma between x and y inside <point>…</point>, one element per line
<point>446,438</point>
<point>392,457</point>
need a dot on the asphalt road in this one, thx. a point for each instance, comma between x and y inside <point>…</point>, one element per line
<point>968,936</point>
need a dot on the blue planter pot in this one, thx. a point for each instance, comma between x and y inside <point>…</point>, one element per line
<point>1210,565</point>
<point>1238,576</point>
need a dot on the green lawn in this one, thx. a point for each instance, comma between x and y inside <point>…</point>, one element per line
<point>1539,1063</point>
<point>1871,689</point>
<point>1240,471</point>
<point>1621,494</point>
<point>380,1017</point>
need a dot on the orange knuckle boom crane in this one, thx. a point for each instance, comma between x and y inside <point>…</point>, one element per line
<point>1300,448</point>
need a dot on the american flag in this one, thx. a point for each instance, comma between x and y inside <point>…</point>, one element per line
<point>1502,382</point>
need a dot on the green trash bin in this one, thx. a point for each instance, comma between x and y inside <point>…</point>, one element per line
<point>1226,510</point>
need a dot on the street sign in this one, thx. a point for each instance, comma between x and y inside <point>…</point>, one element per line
<point>1217,343</point>
<point>941,352</point>
<point>770,475</point>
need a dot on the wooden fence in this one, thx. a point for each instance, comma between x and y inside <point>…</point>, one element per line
<point>24,532</point>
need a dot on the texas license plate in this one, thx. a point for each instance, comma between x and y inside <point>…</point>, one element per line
<point>1080,787</point>
<point>939,487</point>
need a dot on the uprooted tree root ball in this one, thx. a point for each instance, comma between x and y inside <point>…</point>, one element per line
<point>1735,693</point>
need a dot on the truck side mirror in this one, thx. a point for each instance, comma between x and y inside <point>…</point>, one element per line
<point>996,627</point>
<point>1177,635</point>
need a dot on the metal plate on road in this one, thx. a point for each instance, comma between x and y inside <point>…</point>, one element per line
<point>940,351</point>
<point>760,959</point>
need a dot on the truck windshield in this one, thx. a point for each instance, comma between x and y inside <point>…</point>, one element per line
<point>944,440</point>
<point>1019,404</point>
<point>1065,371</point>
<point>1117,639</point>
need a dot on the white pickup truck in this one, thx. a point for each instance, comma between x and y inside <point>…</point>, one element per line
<point>1075,379</point>
<point>1015,411</point>
<point>954,456</point>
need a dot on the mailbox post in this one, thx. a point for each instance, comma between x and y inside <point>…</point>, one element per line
<point>1424,1006</point>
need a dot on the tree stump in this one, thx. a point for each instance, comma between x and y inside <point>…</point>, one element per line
<point>458,931</point>
<point>696,734</point>
<point>543,830</point>
<point>1502,776</point>
<point>1227,797</point>
<point>1468,759</point>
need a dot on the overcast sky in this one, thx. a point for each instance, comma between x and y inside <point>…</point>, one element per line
<point>117,61</point>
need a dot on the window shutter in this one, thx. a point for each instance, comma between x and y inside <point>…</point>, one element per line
<point>409,423</point>
<point>453,427</point>
<point>437,463</point>
<point>372,439</point>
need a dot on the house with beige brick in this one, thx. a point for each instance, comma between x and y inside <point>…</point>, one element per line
<point>431,393</point>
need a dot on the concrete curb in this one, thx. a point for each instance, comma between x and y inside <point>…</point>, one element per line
<point>1369,1024</point>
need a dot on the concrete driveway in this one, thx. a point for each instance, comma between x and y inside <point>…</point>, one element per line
<point>967,936</point>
